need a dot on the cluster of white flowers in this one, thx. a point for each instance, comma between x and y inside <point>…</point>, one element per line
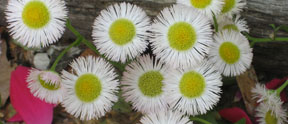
<point>270,109</point>
<point>183,76</point>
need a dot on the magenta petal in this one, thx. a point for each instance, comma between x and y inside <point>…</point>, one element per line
<point>234,114</point>
<point>30,108</point>
<point>238,96</point>
<point>16,118</point>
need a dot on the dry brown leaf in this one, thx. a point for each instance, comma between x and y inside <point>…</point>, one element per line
<point>5,71</point>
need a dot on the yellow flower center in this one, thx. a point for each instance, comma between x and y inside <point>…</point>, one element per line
<point>35,14</point>
<point>270,118</point>
<point>228,5</point>
<point>192,84</point>
<point>150,83</point>
<point>48,85</point>
<point>200,4</point>
<point>122,31</point>
<point>181,36</point>
<point>230,27</point>
<point>229,52</point>
<point>88,87</point>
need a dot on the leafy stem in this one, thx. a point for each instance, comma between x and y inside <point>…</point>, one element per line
<point>53,67</point>
<point>272,36</point>
<point>257,40</point>
<point>199,120</point>
<point>281,88</point>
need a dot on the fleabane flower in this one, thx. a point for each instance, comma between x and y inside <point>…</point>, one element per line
<point>261,93</point>
<point>231,53</point>
<point>142,84</point>
<point>181,36</point>
<point>165,117</point>
<point>270,110</point>
<point>91,88</point>
<point>120,31</point>
<point>232,7</point>
<point>46,85</point>
<point>207,7</point>
<point>193,91</point>
<point>36,23</point>
<point>277,83</point>
<point>268,113</point>
<point>237,24</point>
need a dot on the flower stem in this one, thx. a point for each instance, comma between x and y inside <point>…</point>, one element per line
<point>257,40</point>
<point>199,120</point>
<point>281,88</point>
<point>119,66</point>
<point>53,67</point>
<point>215,23</point>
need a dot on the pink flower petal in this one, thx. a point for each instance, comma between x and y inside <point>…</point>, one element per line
<point>16,118</point>
<point>234,114</point>
<point>238,96</point>
<point>30,108</point>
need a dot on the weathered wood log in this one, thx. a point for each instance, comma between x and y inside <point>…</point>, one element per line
<point>270,59</point>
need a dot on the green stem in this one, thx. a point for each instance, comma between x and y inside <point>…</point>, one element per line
<point>53,67</point>
<point>119,66</point>
<point>199,120</point>
<point>215,22</point>
<point>72,29</point>
<point>280,89</point>
<point>257,40</point>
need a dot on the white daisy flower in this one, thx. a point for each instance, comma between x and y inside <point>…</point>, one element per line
<point>142,85</point>
<point>261,93</point>
<point>181,36</point>
<point>91,88</point>
<point>165,117</point>
<point>193,90</point>
<point>231,53</point>
<point>120,31</point>
<point>238,24</point>
<point>271,114</point>
<point>36,23</point>
<point>232,7</point>
<point>207,7</point>
<point>46,85</point>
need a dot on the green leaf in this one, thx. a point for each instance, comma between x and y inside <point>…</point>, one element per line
<point>242,121</point>
<point>284,28</point>
<point>273,26</point>
<point>210,117</point>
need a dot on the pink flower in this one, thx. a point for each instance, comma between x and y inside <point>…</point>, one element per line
<point>234,114</point>
<point>29,108</point>
<point>276,83</point>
